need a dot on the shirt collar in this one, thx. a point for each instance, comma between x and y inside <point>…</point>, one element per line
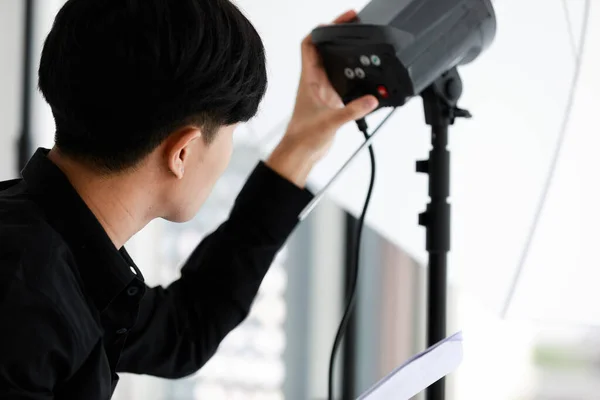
<point>105,270</point>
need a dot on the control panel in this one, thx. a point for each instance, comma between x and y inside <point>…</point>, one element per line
<point>372,69</point>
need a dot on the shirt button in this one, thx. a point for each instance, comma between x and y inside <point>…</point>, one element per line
<point>121,331</point>
<point>132,290</point>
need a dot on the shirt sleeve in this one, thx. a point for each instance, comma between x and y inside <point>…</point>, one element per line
<point>36,345</point>
<point>180,327</point>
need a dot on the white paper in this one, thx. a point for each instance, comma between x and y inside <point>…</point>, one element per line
<point>419,372</point>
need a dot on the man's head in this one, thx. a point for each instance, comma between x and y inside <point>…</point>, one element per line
<point>154,84</point>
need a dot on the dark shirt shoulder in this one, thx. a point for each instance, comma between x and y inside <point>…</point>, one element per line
<point>50,330</point>
<point>36,263</point>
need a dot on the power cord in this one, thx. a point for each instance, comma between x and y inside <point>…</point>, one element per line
<point>362,126</point>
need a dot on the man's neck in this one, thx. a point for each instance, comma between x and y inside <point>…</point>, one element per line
<point>119,202</point>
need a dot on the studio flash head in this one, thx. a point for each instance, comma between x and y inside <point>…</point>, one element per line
<point>397,48</point>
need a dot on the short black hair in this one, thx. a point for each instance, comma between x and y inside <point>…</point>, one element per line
<point>121,75</point>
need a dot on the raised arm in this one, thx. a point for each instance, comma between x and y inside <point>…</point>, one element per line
<point>179,328</point>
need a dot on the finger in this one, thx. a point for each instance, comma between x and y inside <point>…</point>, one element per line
<point>310,55</point>
<point>353,111</point>
<point>326,95</point>
<point>307,41</point>
<point>348,16</point>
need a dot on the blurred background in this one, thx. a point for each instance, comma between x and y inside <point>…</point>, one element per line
<point>534,96</point>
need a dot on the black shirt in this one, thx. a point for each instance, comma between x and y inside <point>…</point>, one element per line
<point>75,310</point>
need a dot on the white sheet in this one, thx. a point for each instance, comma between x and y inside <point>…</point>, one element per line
<point>419,372</point>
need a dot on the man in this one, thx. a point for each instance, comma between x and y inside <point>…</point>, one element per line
<point>146,95</point>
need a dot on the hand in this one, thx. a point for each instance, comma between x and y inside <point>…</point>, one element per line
<point>318,114</point>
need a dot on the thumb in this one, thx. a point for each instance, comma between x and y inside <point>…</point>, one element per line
<point>354,110</point>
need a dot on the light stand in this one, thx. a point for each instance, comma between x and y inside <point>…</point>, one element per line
<point>439,103</point>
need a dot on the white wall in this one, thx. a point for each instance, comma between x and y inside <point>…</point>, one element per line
<point>11,28</point>
<point>11,70</point>
<point>42,122</point>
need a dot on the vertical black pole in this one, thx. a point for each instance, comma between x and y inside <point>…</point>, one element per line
<point>24,141</point>
<point>439,104</point>
<point>348,358</point>
<point>437,221</point>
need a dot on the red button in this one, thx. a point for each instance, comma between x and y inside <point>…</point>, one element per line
<point>383,91</point>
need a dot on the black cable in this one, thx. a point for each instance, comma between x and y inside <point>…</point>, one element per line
<point>355,262</point>
<point>362,126</point>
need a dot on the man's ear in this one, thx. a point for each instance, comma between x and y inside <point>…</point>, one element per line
<point>179,147</point>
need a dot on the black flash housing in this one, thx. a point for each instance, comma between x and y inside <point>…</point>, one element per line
<point>397,48</point>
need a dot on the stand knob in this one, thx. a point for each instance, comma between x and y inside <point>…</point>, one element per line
<point>423,218</point>
<point>460,113</point>
<point>453,89</point>
<point>423,166</point>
